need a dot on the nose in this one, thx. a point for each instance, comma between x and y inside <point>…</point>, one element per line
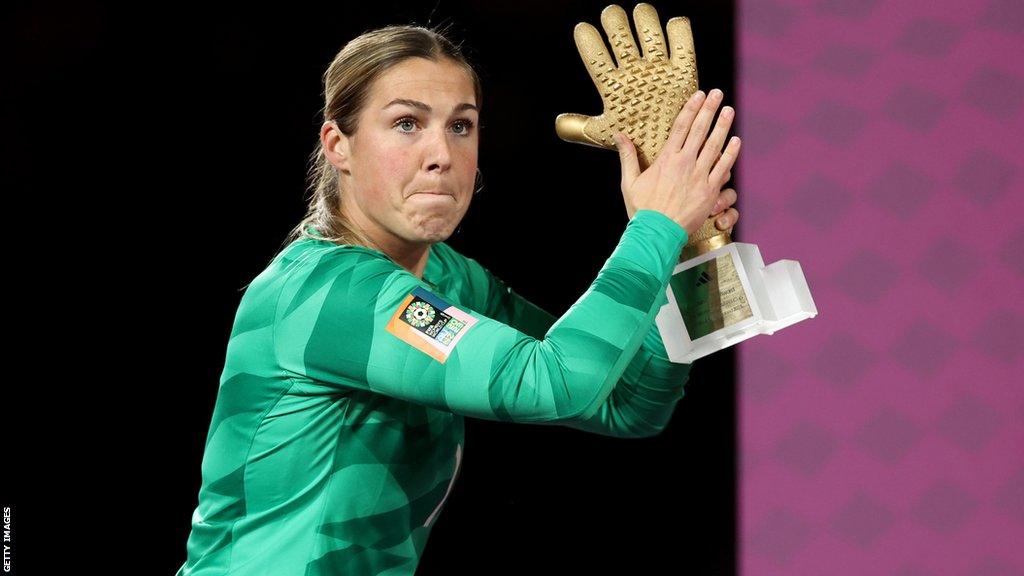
<point>438,156</point>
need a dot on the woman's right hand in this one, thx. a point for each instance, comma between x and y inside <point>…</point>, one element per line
<point>683,183</point>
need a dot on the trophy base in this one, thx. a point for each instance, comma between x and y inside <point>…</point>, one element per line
<point>727,295</point>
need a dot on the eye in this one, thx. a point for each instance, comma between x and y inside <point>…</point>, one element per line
<point>406,120</point>
<point>467,125</point>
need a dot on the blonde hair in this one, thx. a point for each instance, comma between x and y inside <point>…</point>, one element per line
<point>347,83</point>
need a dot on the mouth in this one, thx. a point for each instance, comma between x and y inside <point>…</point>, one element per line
<point>432,192</point>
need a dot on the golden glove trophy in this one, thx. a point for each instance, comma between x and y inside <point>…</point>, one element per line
<point>721,292</point>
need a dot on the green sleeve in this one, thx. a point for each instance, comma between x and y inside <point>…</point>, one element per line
<point>357,320</point>
<point>642,402</point>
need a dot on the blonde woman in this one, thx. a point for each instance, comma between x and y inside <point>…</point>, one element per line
<point>355,355</point>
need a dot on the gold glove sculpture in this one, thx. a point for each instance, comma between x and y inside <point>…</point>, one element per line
<point>642,94</point>
<point>721,292</point>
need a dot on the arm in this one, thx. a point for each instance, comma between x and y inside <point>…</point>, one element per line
<point>345,327</point>
<point>643,400</point>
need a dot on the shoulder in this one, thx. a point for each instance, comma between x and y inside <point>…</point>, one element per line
<point>313,263</point>
<point>335,284</point>
<point>472,275</point>
<point>476,284</point>
<point>452,258</point>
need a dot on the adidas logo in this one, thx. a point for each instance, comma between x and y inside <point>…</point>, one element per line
<point>703,279</point>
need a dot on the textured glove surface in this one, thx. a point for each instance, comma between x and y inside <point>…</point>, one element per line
<point>642,95</point>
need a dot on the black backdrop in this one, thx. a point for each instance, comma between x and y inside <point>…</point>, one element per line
<point>159,159</point>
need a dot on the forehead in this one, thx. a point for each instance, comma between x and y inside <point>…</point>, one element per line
<point>422,79</point>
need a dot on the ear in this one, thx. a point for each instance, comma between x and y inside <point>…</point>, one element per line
<point>336,145</point>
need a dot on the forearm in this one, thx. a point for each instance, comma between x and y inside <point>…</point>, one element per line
<point>644,398</point>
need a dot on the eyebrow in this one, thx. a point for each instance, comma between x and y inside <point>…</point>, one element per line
<point>426,107</point>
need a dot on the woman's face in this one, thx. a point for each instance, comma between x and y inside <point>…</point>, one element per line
<point>407,173</point>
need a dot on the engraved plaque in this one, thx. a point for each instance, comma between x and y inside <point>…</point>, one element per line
<point>711,296</point>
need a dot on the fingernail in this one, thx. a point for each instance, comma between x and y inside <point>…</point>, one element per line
<point>697,95</point>
<point>716,93</point>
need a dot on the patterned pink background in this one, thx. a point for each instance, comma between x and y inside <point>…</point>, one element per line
<point>883,151</point>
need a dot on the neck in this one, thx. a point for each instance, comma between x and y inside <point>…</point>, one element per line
<point>411,256</point>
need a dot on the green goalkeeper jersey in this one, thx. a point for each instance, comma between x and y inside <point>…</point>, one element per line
<point>337,431</point>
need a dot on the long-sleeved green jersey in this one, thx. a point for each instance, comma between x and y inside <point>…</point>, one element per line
<point>337,431</point>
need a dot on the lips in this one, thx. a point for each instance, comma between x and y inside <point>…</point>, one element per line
<point>434,192</point>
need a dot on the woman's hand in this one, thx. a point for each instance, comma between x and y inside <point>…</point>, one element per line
<point>685,181</point>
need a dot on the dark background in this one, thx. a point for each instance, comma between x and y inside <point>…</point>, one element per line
<point>159,157</point>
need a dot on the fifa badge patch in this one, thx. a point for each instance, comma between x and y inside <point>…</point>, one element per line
<point>429,323</point>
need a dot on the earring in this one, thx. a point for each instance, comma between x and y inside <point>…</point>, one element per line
<point>479,177</point>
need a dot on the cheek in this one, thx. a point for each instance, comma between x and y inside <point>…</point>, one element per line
<point>395,161</point>
<point>387,176</point>
<point>467,170</point>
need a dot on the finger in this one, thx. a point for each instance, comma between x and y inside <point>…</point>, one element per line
<point>713,147</point>
<point>681,125</point>
<point>570,127</point>
<point>648,29</point>
<point>732,150</point>
<point>726,198</point>
<point>627,157</point>
<point>620,35</point>
<point>701,124</point>
<point>728,175</point>
<point>727,220</point>
<point>594,53</point>
<point>680,42</point>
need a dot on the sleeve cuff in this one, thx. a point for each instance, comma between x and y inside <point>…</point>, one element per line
<point>663,223</point>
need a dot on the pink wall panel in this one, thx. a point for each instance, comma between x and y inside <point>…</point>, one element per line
<point>883,151</point>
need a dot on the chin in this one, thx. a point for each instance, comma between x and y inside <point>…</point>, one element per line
<point>436,232</point>
<point>438,235</point>
<point>435,229</point>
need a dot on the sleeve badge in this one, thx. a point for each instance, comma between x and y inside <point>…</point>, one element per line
<point>429,323</point>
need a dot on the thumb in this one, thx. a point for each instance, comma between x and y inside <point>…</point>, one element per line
<point>627,156</point>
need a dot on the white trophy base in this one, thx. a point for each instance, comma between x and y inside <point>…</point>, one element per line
<point>776,296</point>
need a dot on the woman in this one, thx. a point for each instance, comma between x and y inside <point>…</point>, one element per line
<point>354,356</point>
